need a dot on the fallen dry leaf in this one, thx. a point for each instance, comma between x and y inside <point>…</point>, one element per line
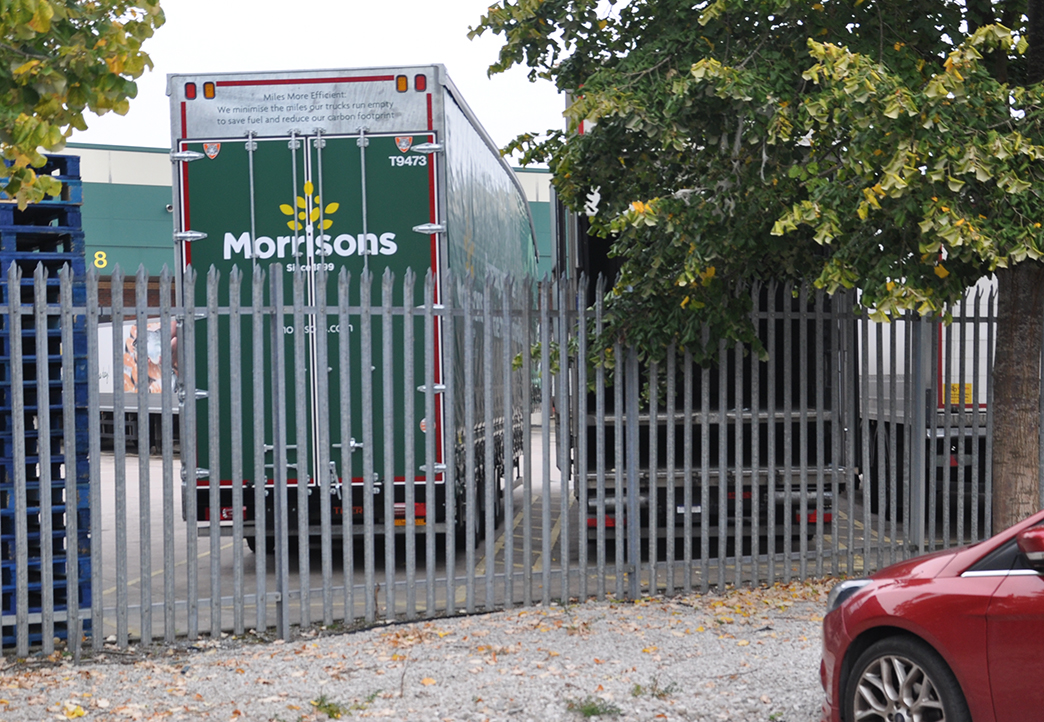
<point>428,681</point>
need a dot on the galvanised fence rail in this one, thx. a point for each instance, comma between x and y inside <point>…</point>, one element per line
<point>281,450</point>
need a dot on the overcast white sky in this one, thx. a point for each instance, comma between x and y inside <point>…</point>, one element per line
<point>262,35</point>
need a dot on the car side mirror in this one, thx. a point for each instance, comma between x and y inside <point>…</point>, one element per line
<point>1031,543</point>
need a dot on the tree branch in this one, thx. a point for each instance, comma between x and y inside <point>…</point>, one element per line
<point>24,53</point>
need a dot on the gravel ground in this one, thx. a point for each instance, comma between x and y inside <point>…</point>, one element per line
<point>746,655</point>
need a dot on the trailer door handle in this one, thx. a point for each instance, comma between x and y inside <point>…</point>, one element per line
<point>428,148</point>
<point>185,156</point>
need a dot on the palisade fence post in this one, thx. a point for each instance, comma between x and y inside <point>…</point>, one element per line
<point>688,384</point>
<point>934,370</point>
<point>388,414</point>
<point>470,492</point>
<point>634,539</point>
<point>14,299</point>
<point>850,407</point>
<point>71,452</point>
<point>671,472</point>
<point>119,445</point>
<point>881,477</point>
<point>189,468</point>
<point>976,415</point>
<point>723,464</point>
<point>366,378</point>
<point>431,511</point>
<point>258,364</point>
<point>410,462</point>
<point>449,439</point>
<point>545,437</point>
<point>580,424</point>
<point>527,442</point>
<point>490,483</point>
<point>803,432</point>
<point>895,483</point>
<point>141,351</point>
<point>619,508</point>
<point>991,314</point>
<point>600,543</point>
<point>510,459</point>
<point>43,420</point>
<point>820,388</point>
<point>653,474</point>
<point>94,459</point>
<point>562,426</point>
<point>279,456</point>
<point>167,398</point>
<point>238,418</point>
<point>214,447</point>
<point>918,425</point>
<point>755,447</point>
<point>348,444</point>
<point>788,430</point>
<point>302,439</point>
<point>772,460</point>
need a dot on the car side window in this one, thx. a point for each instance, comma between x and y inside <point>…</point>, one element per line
<point>1002,558</point>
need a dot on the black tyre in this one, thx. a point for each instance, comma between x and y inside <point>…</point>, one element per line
<point>903,678</point>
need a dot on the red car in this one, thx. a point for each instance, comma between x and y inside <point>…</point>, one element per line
<point>955,636</point>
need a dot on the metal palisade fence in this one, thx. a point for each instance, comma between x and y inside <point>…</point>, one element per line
<point>282,450</point>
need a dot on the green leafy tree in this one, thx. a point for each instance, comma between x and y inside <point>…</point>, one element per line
<point>891,145</point>
<point>58,60</point>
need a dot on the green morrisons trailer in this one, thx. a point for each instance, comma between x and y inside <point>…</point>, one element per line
<point>303,174</point>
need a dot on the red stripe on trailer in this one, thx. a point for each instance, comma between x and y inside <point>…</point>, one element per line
<point>185,218</point>
<point>436,290</point>
<point>304,81</point>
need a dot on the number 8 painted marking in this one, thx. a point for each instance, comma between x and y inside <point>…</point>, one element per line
<point>100,259</point>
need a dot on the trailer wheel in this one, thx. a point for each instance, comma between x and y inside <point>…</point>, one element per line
<point>252,545</point>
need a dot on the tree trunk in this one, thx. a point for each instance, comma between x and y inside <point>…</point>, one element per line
<point>1016,394</point>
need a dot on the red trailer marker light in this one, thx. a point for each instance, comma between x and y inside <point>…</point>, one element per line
<point>420,83</point>
<point>190,91</point>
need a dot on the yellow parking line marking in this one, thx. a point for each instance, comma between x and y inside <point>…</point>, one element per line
<point>556,530</point>
<point>480,568</point>
<point>158,572</point>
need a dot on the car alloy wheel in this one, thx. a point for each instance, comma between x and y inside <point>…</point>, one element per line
<point>901,679</point>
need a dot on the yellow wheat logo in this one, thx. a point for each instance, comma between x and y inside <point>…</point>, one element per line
<point>309,210</point>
